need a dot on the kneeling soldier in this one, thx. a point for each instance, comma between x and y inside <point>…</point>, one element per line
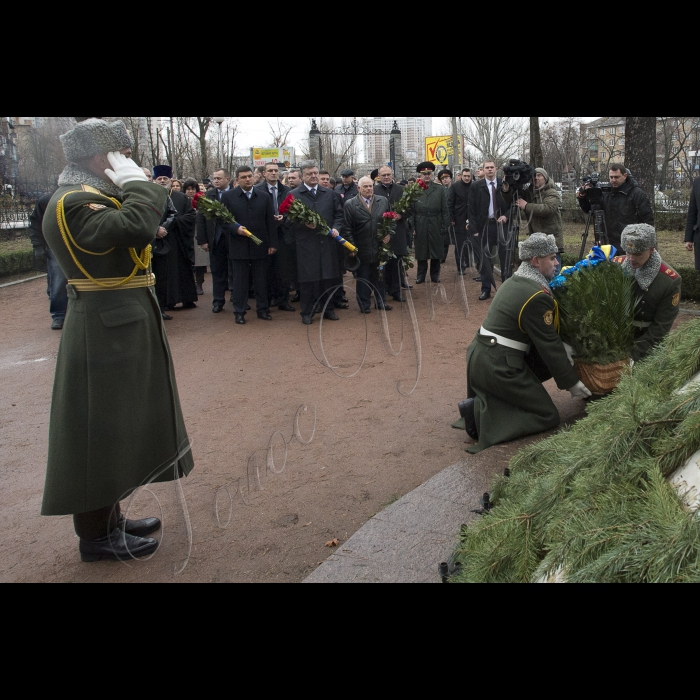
<point>116,422</point>
<point>658,288</point>
<point>517,350</point>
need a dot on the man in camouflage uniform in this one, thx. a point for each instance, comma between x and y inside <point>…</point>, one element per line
<point>517,350</point>
<point>116,421</point>
<point>658,288</point>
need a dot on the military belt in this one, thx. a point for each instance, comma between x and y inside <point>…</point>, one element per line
<point>505,342</point>
<point>643,324</point>
<point>85,285</point>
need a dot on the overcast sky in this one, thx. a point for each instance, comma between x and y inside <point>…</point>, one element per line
<point>255,131</point>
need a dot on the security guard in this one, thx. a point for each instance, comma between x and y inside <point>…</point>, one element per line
<point>517,350</point>
<point>658,288</point>
<point>116,421</point>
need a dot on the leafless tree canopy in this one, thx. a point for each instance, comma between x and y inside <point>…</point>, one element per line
<point>497,138</point>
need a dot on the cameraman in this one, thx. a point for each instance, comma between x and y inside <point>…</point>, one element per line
<point>624,205</point>
<point>542,205</point>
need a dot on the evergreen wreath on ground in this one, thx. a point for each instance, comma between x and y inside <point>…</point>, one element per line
<point>592,504</point>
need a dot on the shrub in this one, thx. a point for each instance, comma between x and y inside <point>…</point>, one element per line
<point>14,263</point>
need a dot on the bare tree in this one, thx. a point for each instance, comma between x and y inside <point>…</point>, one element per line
<point>536,155</point>
<point>338,151</point>
<point>675,136</point>
<point>641,152</point>
<point>495,137</point>
<point>279,133</point>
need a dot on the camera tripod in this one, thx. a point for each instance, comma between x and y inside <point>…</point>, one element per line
<point>512,240</point>
<point>600,226</point>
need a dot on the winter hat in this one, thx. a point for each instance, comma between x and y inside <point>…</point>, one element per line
<point>539,245</point>
<point>162,171</point>
<point>638,238</point>
<point>122,135</point>
<point>88,139</point>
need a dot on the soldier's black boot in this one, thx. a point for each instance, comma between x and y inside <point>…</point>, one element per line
<point>117,547</point>
<point>139,528</point>
<point>466,410</point>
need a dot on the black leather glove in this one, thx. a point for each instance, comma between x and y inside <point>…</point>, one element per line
<point>40,260</point>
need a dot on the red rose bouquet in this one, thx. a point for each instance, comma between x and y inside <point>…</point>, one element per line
<point>387,228</point>
<point>297,212</point>
<point>411,194</point>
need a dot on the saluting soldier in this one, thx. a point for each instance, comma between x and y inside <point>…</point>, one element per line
<point>658,288</point>
<point>431,217</point>
<point>516,351</point>
<point>116,421</point>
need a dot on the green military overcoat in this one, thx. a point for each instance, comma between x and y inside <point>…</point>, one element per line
<point>506,384</point>
<point>431,217</point>
<point>116,421</point>
<point>657,310</point>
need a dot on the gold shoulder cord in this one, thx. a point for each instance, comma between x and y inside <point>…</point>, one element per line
<point>142,262</point>
<point>557,319</point>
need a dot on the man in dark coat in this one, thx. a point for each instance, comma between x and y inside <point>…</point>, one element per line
<point>347,190</point>
<point>45,261</point>
<point>116,421</point>
<point>178,264</point>
<point>487,211</point>
<point>363,219</point>
<point>692,231</point>
<point>624,205</point>
<point>432,220</point>
<point>317,255</point>
<point>254,212</point>
<point>458,203</point>
<point>517,349</point>
<point>394,273</point>
<point>211,238</point>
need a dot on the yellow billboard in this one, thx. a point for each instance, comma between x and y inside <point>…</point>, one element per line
<point>439,150</point>
<point>263,156</point>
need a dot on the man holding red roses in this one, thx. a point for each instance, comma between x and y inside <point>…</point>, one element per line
<point>317,254</point>
<point>363,223</point>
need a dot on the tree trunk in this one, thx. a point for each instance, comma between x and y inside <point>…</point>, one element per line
<point>536,154</point>
<point>641,152</point>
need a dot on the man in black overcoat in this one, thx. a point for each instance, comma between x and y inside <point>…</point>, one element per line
<point>488,210</point>
<point>254,213</point>
<point>394,273</point>
<point>458,202</point>
<point>212,239</point>
<point>317,255</point>
<point>280,277</point>
<point>692,232</point>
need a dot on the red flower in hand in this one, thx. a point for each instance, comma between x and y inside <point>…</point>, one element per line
<point>195,200</point>
<point>287,205</point>
<point>423,185</point>
<point>391,215</point>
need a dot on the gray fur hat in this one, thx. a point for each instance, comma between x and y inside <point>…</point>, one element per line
<point>538,245</point>
<point>90,138</point>
<point>125,140</point>
<point>638,238</point>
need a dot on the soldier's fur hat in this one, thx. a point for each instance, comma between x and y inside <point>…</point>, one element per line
<point>539,245</point>
<point>125,140</point>
<point>90,138</point>
<point>638,238</point>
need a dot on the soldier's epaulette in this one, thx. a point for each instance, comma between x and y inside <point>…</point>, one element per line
<point>547,291</point>
<point>669,271</point>
<point>91,190</point>
<point>620,260</point>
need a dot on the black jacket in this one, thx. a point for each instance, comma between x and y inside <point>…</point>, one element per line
<point>399,242</point>
<point>184,225</point>
<point>206,228</point>
<point>317,255</point>
<point>361,226</point>
<point>458,202</point>
<point>258,216</point>
<point>347,193</point>
<point>623,207</point>
<point>693,214</point>
<point>36,221</point>
<point>480,203</point>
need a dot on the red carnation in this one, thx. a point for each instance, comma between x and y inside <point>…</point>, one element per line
<point>287,205</point>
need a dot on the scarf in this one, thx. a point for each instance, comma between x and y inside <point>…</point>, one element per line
<point>527,271</point>
<point>75,175</point>
<point>646,275</point>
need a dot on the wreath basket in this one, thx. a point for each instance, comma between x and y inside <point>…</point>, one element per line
<point>601,379</point>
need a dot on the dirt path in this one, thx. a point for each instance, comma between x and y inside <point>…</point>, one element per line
<point>241,389</point>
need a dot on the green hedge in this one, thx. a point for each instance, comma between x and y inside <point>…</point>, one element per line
<point>14,263</point>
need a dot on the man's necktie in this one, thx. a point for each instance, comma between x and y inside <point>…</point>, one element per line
<point>494,197</point>
<point>313,193</point>
<point>276,201</point>
<point>249,195</point>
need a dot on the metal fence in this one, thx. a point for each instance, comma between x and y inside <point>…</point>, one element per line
<point>15,213</point>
